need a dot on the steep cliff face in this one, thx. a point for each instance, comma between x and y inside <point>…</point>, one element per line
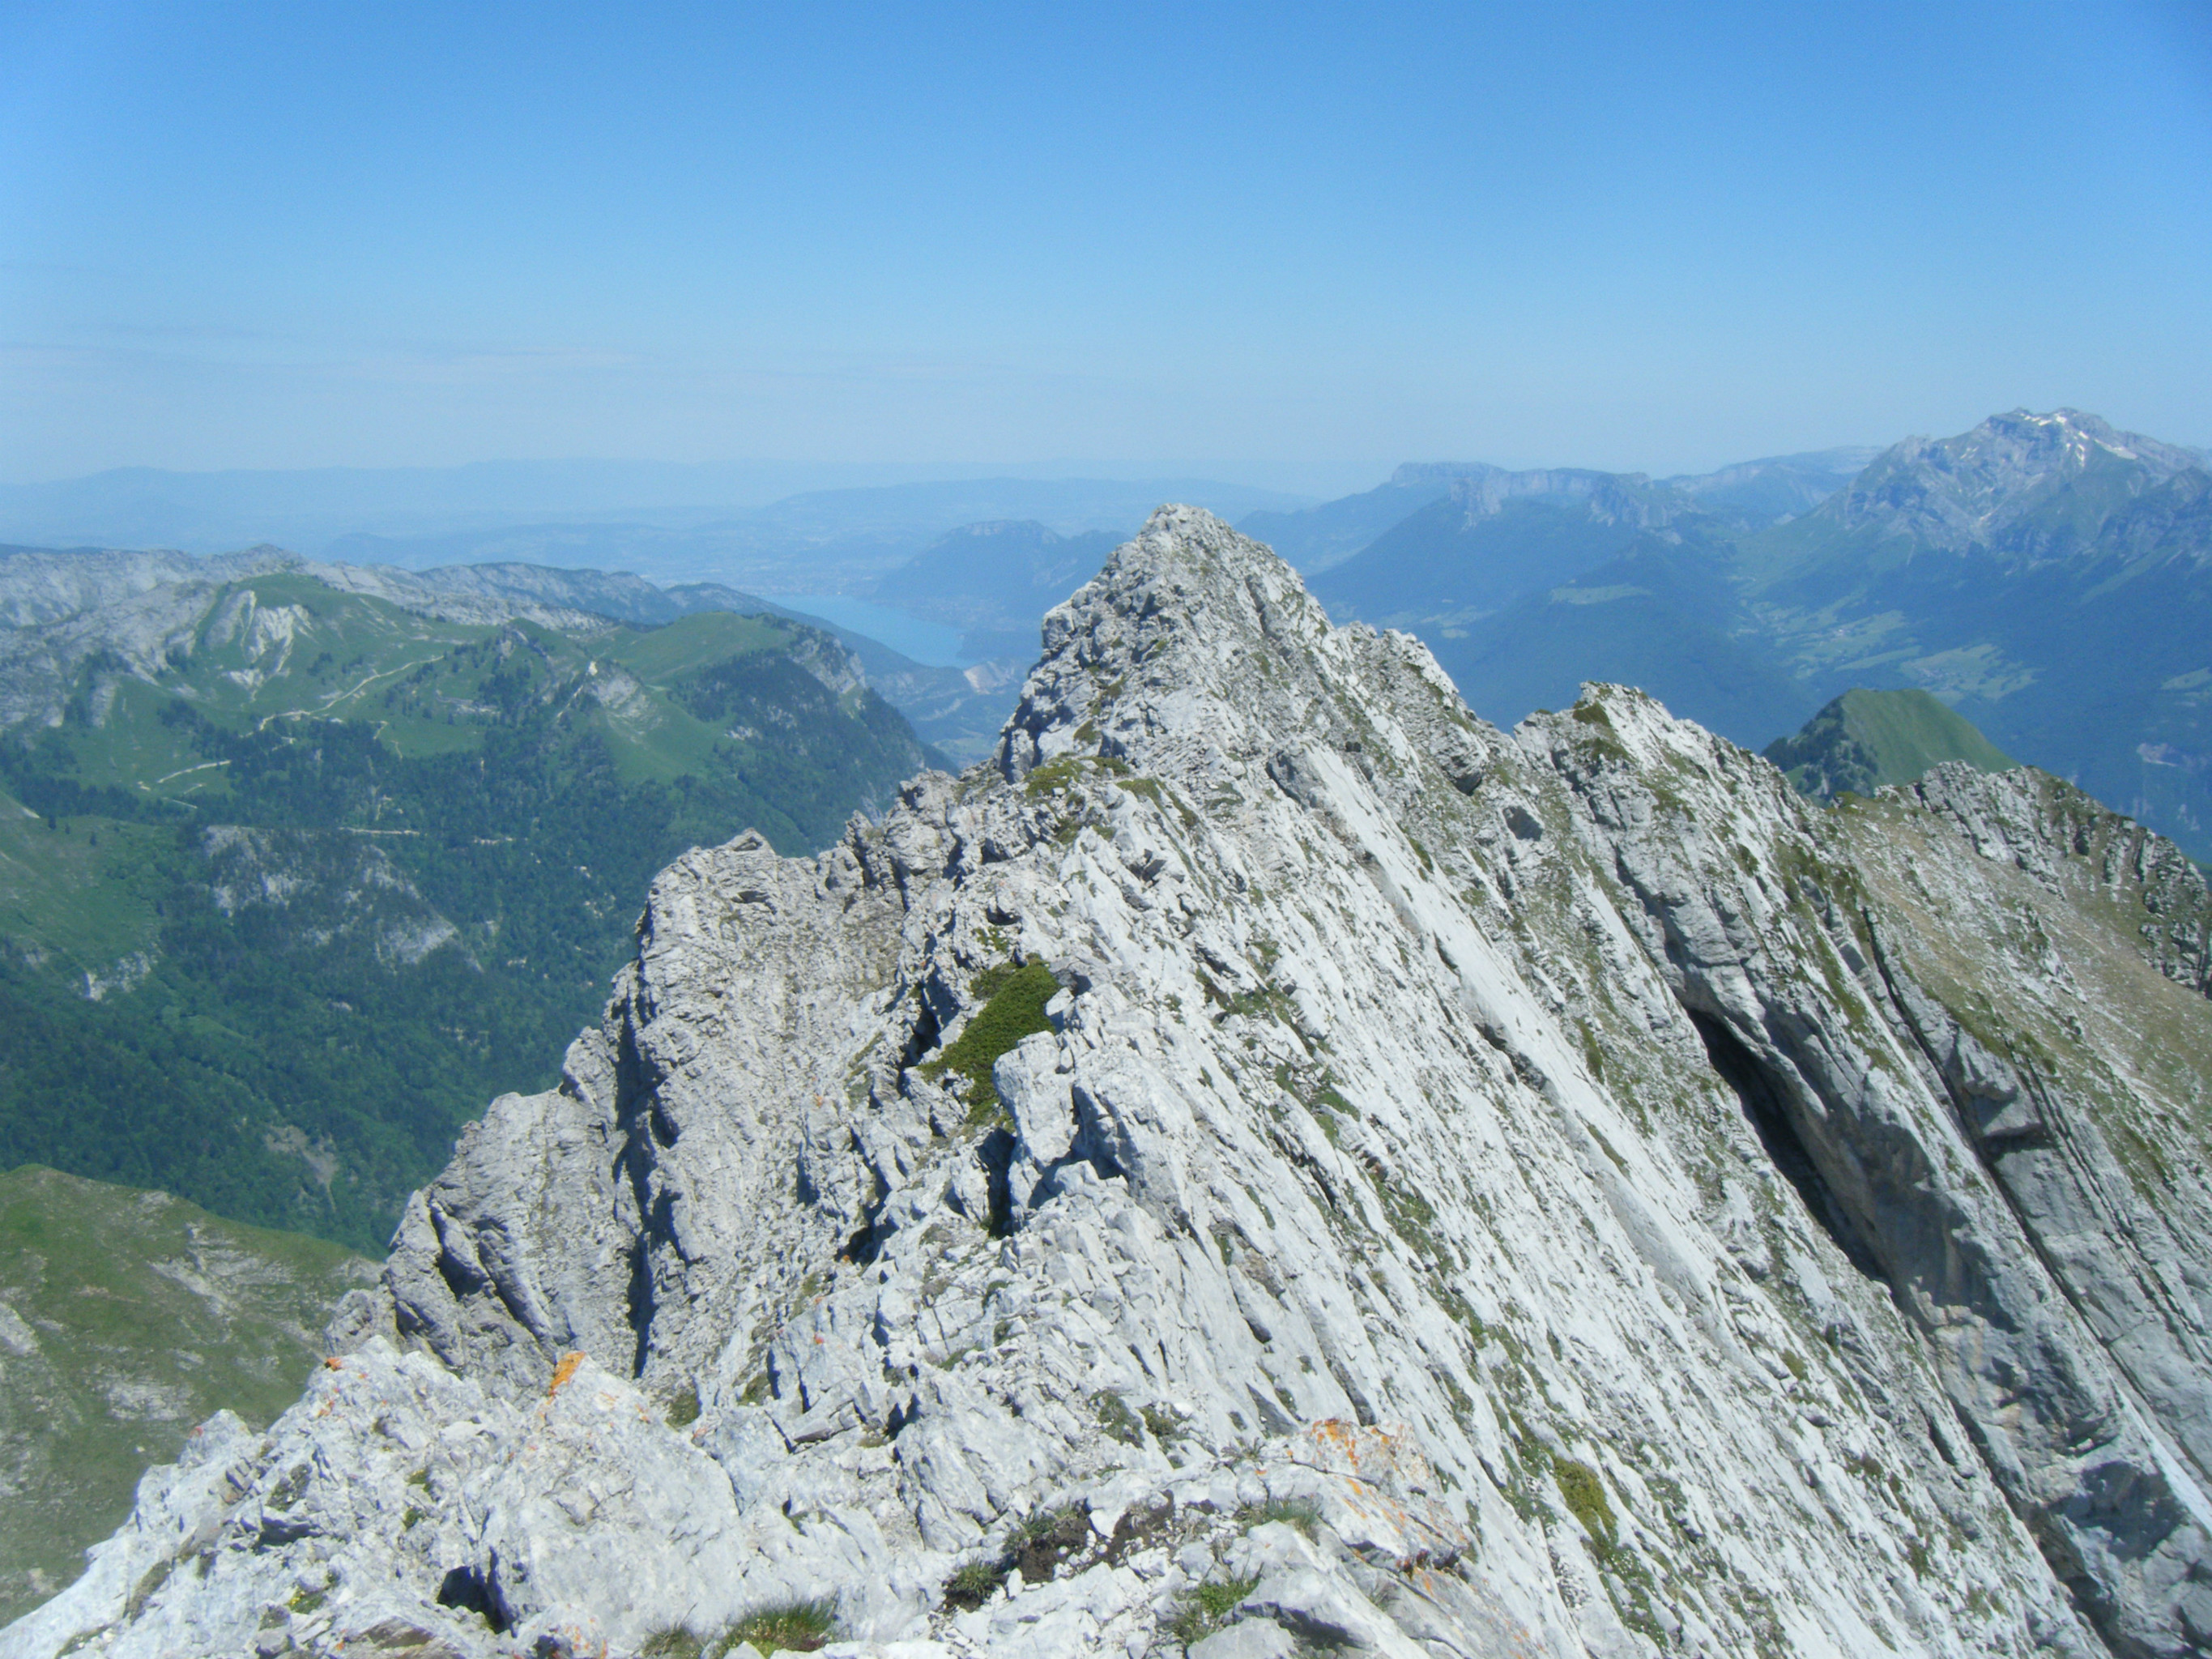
<point>1473,1194</point>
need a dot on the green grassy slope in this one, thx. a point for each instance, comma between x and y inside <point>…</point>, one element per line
<point>281,907</point>
<point>125,1318</point>
<point>87,899</point>
<point>1865,739</point>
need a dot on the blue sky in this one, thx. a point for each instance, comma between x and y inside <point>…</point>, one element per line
<point>1314,239</point>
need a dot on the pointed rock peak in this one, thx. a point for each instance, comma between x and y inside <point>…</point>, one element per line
<point>1187,581</point>
<point>1186,585</point>
<point>1196,641</point>
<point>2020,446</point>
<point>1195,536</point>
<point>2067,435</point>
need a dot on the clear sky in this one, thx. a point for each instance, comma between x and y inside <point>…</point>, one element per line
<point>1328,236</point>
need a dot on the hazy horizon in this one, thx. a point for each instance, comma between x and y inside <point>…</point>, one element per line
<point>761,482</point>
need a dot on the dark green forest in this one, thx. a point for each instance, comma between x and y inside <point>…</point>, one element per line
<point>350,949</point>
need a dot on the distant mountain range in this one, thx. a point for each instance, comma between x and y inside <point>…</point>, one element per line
<point>1489,537</point>
<point>821,541</point>
<point>1757,493</point>
<point>1751,494</point>
<point>958,712</point>
<point>757,527</point>
<point>994,580</point>
<point>2047,576</point>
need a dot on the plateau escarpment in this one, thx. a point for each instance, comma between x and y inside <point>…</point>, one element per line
<point>1473,1194</point>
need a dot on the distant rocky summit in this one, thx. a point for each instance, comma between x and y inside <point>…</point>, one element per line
<point>1990,487</point>
<point>2046,576</point>
<point>1269,1163</point>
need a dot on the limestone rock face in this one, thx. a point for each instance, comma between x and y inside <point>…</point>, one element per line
<point>1472,1194</point>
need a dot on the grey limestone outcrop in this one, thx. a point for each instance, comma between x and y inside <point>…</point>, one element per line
<point>1552,1192</point>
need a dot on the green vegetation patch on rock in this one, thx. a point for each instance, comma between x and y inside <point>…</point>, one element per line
<point>1016,1010</point>
<point>784,1627</point>
<point>1583,1490</point>
<point>1200,1609</point>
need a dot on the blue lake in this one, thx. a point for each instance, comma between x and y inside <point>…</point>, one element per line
<point>935,644</point>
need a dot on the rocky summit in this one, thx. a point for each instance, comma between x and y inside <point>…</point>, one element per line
<point>1268,1163</point>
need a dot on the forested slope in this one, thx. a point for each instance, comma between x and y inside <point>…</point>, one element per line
<point>293,879</point>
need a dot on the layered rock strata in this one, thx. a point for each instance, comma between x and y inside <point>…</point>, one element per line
<point>1552,1192</point>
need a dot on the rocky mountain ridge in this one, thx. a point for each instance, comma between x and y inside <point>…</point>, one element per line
<point>1469,1194</point>
<point>1972,489</point>
<point>43,586</point>
<point>1778,487</point>
<point>1609,498</point>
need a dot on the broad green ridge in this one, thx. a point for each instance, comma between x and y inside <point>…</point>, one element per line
<point>1865,740</point>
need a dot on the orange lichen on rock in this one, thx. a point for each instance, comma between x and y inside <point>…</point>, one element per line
<point>1379,1492</point>
<point>564,1371</point>
<point>1382,1454</point>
